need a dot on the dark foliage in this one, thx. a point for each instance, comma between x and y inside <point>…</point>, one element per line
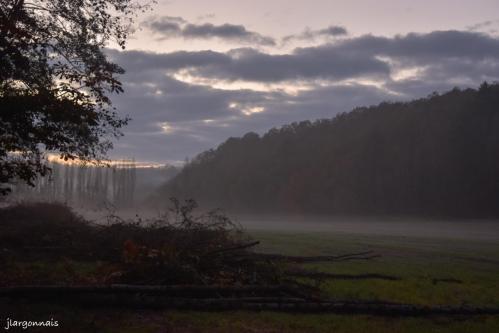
<point>55,81</point>
<point>434,156</point>
<point>41,225</point>
<point>179,247</point>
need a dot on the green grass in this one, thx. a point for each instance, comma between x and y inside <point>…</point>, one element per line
<point>83,320</point>
<point>283,322</point>
<point>417,261</point>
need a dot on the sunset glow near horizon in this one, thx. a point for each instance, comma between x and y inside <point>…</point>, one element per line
<point>199,72</point>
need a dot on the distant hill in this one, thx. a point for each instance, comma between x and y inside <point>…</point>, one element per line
<point>435,156</point>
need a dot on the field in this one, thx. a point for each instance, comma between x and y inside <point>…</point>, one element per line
<point>429,271</point>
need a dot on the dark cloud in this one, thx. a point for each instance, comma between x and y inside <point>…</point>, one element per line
<point>490,26</point>
<point>480,25</point>
<point>420,48</point>
<point>168,27</point>
<point>173,119</point>
<point>225,31</point>
<point>364,56</point>
<point>311,35</point>
<point>201,128</point>
<point>333,31</point>
<point>251,65</point>
<point>138,61</point>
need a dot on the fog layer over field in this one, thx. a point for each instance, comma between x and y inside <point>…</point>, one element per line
<point>487,230</point>
<point>465,229</point>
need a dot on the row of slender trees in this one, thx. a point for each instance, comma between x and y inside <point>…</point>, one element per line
<point>83,185</point>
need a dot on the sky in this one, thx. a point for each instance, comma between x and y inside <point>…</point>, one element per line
<point>199,72</point>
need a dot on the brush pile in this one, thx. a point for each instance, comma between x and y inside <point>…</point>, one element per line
<point>177,247</point>
<point>179,259</point>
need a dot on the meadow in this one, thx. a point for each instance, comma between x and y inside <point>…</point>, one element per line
<point>426,271</point>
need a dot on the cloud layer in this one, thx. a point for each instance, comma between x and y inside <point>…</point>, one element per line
<point>171,27</point>
<point>184,102</point>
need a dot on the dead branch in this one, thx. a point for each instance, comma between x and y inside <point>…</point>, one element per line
<point>301,259</point>
<point>446,280</point>
<point>287,304</point>
<point>198,290</point>
<point>233,248</point>
<point>332,276</point>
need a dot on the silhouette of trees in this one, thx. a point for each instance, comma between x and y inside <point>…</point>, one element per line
<point>55,80</point>
<point>83,185</point>
<point>432,156</point>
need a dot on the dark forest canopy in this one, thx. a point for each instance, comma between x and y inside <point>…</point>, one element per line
<point>435,156</point>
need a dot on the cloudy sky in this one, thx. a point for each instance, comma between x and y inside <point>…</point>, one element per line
<point>200,71</point>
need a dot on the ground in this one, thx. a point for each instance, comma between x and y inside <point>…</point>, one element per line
<point>432,271</point>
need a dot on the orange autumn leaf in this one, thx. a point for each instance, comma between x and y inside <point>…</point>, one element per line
<point>131,250</point>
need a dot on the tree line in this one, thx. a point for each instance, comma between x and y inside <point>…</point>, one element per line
<point>83,185</point>
<point>434,156</point>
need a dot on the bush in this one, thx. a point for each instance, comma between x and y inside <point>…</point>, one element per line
<point>178,247</point>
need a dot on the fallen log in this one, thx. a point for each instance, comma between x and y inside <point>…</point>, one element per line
<point>234,248</point>
<point>446,280</point>
<point>301,259</point>
<point>332,276</point>
<point>171,290</point>
<point>285,304</point>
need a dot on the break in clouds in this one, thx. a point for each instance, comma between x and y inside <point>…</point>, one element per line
<point>184,102</point>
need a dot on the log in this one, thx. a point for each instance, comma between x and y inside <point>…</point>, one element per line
<point>301,259</point>
<point>234,248</point>
<point>332,276</point>
<point>446,280</point>
<point>32,291</point>
<point>286,304</point>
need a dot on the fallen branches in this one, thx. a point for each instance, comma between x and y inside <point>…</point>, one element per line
<point>332,276</point>
<point>446,280</point>
<point>167,297</point>
<point>144,262</point>
<point>367,255</point>
<point>172,290</point>
<point>233,248</point>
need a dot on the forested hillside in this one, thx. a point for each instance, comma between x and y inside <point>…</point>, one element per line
<point>435,156</point>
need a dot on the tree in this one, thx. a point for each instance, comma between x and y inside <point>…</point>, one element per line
<point>432,156</point>
<point>55,81</point>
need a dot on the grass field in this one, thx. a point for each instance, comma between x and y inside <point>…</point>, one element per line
<point>432,271</point>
